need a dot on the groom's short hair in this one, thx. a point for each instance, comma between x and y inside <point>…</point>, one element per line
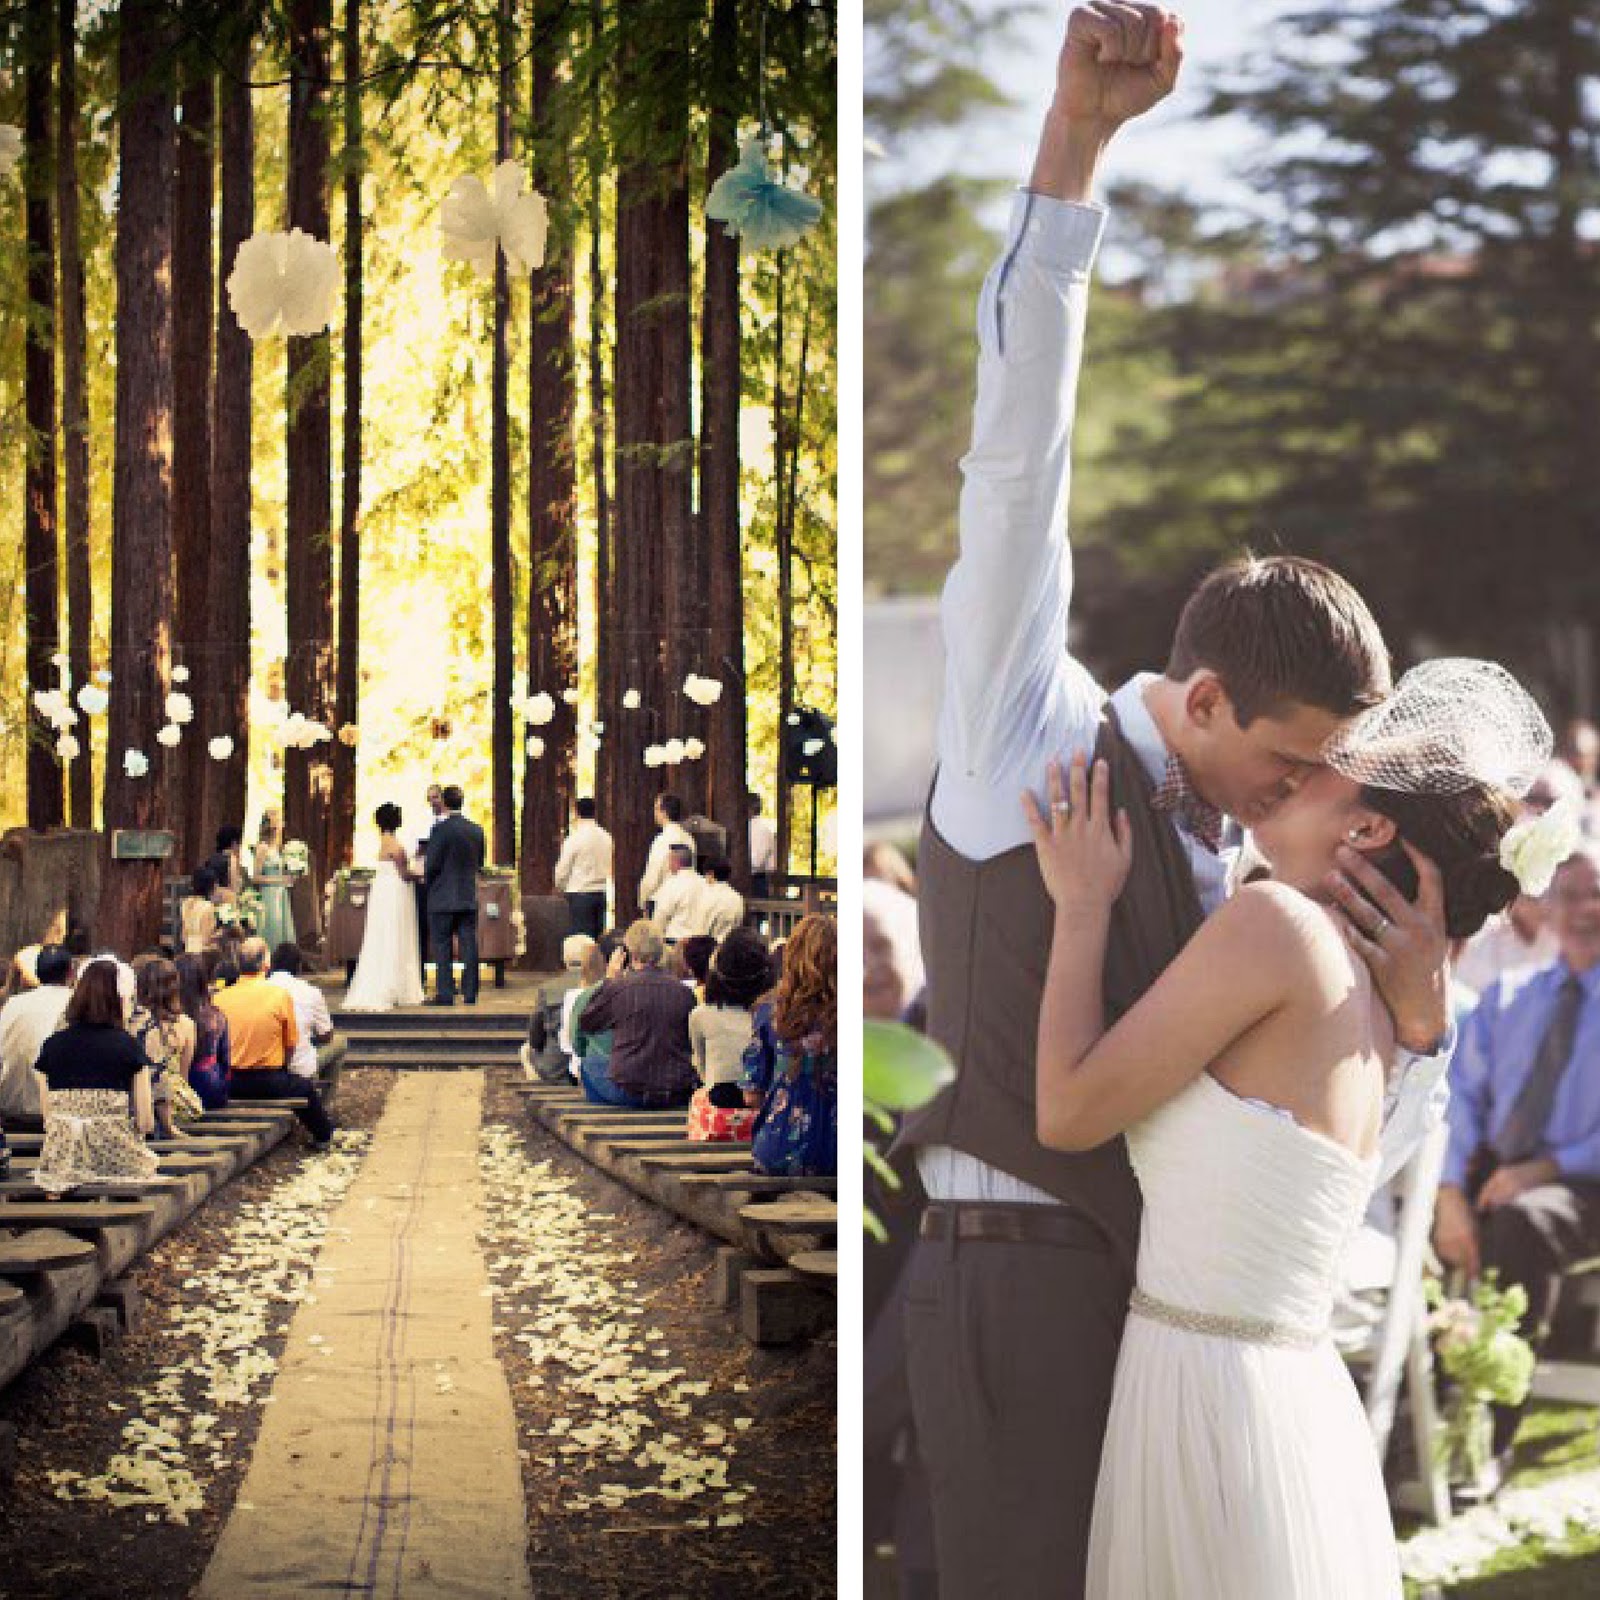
<point>1281,631</point>
<point>452,798</point>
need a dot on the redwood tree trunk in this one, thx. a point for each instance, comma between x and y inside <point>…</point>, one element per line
<point>349,654</point>
<point>193,313</point>
<point>224,701</point>
<point>548,781</point>
<point>502,842</point>
<point>74,401</point>
<point>141,572</point>
<point>726,732</point>
<point>309,550</point>
<point>609,690</point>
<point>41,534</point>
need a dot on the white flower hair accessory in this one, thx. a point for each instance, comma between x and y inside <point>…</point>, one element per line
<point>284,280</point>
<point>1533,848</point>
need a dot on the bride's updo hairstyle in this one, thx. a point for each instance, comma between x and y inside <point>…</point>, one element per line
<point>388,817</point>
<point>1461,834</point>
<point>1446,758</point>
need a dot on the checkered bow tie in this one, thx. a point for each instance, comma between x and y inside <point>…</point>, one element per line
<point>1178,797</point>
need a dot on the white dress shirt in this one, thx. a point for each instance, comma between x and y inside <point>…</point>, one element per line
<point>678,902</point>
<point>311,1016</point>
<point>721,909</point>
<point>26,1021</point>
<point>1015,696</point>
<point>655,866</point>
<point>763,845</point>
<point>584,865</point>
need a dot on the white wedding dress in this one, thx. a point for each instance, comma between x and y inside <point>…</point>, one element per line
<point>1237,1461</point>
<point>389,971</point>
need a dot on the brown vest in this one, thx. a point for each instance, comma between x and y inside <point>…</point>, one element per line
<point>986,930</point>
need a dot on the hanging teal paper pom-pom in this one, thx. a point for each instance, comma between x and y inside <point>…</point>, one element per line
<point>751,203</point>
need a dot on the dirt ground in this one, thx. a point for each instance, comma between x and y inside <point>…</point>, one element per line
<point>767,1532</point>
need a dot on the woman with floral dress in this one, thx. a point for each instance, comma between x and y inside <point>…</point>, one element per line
<point>791,1065</point>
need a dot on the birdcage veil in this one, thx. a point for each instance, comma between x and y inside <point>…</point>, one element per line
<point>1450,725</point>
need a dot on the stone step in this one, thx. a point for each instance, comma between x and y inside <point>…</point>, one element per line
<point>439,1060</point>
<point>433,1019</point>
<point>508,1040</point>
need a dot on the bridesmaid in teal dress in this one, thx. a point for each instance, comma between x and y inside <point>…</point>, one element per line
<point>272,881</point>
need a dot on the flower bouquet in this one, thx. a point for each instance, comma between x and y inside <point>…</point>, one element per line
<point>1488,1362</point>
<point>296,858</point>
<point>248,908</point>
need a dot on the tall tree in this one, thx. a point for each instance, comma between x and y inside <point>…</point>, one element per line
<point>74,400</point>
<point>308,578</point>
<point>41,537</point>
<point>193,314</point>
<point>502,579</point>
<point>721,379</point>
<point>609,692</point>
<point>224,701</point>
<point>548,780</point>
<point>348,669</point>
<point>141,566</point>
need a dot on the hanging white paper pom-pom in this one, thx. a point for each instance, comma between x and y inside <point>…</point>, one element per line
<point>630,700</point>
<point>535,746</point>
<point>694,748</point>
<point>180,674</point>
<point>67,747</point>
<point>170,735</point>
<point>55,708</point>
<point>473,219</point>
<point>539,709</point>
<point>221,747</point>
<point>597,728</point>
<point>135,763</point>
<point>570,696</point>
<point>350,735</point>
<point>673,751</point>
<point>703,691</point>
<point>59,661</point>
<point>10,149</point>
<point>180,708</point>
<point>287,280</point>
<point>94,700</point>
<point>654,756</point>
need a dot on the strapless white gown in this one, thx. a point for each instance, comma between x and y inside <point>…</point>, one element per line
<point>389,971</point>
<point>1237,1462</point>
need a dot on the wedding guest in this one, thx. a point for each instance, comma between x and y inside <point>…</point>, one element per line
<point>165,1034</point>
<point>264,1034</point>
<point>211,1062</point>
<point>197,914</point>
<point>321,1051</point>
<point>1519,936</point>
<point>273,880</point>
<point>675,910</point>
<point>586,1045</point>
<point>583,871</point>
<point>647,1012</point>
<point>578,952</point>
<point>790,1066</point>
<point>94,1089</point>
<point>1520,1193</point>
<point>22,976</point>
<point>721,905</point>
<point>1580,749</point>
<point>763,850</point>
<point>882,862</point>
<point>669,822</point>
<point>720,1030</point>
<point>226,864</point>
<point>696,952</point>
<point>892,975</point>
<point>26,1021</point>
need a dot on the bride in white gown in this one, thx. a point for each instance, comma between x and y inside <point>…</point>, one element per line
<point>389,971</point>
<point>1250,1080</point>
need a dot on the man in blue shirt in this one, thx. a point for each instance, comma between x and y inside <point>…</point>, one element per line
<point>1521,1185</point>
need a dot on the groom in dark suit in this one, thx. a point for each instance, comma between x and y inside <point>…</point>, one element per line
<point>455,853</point>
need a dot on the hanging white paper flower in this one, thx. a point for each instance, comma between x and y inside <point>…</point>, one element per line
<point>284,280</point>
<point>597,728</point>
<point>570,696</point>
<point>703,691</point>
<point>135,763</point>
<point>93,700</point>
<point>67,747</point>
<point>170,735</point>
<point>10,149</point>
<point>55,708</point>
<point>292,734</point>
<point>102,676</point>
<point>59,661</point>
<point>654,756</point>
<point>753,205</point>
<point>694,748</point>
<point>673,751</point>
<point>812,746</point>
<point>180,708</point>
<point>350,735</point>
<point>473,219</point>
<point>535,746</point>
<point>630,700</point>
<point>539,709</point>
<point>221,747</point>
<point>180,674</point>
<point>588,741</point>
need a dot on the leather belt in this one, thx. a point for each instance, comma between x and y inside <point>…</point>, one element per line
<point>978,1222</point>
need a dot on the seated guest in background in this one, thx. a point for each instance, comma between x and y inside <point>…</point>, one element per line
<point>1521,1186</point>
<point>95,1090</point>
<point>892,974</point>
<point>721,905</point>
<point>576,950</point>
<point>647,1014</point>
<point>586,1045</point>
<point>676,905</point>
<point>26,1021</point>
<point>696,953</point>
<point>790,1067</point>
<point>720,1031</point>
<point>225,973</point>
<point>669,820</point>
<point>22,976</point>
<point>320,1052</point>
<point>166,1035</point>
<point>226,865</point>
<point>763,850</point>
<point>882,862</point>
<point>210,1064</point>
<point>264,1035</point>
<point>197,916</point>
<point>583,871</point>
<point>1519,936</point>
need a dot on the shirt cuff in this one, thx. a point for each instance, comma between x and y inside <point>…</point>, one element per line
<point>1063,235</point>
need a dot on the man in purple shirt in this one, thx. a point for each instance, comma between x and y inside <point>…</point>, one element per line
<point>646,1012</point>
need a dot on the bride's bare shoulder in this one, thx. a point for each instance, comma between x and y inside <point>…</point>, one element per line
<point>1278,925</point>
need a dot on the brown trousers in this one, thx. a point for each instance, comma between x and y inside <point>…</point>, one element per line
<point>1011,1350</point>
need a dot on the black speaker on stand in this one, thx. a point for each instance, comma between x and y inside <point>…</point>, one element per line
<point>810,758</point>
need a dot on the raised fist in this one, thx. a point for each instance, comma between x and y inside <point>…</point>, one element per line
<point>1119,60</point>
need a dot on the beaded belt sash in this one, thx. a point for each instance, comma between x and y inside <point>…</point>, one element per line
<point>1252,1330</point>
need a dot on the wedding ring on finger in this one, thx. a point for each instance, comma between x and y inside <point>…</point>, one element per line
<point>1384,925</point>
<point>1062,808</point>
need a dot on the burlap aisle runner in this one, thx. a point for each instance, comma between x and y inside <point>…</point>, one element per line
<point>387,1462</point>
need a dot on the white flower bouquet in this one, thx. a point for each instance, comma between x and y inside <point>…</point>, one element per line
<point>296,858</point>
